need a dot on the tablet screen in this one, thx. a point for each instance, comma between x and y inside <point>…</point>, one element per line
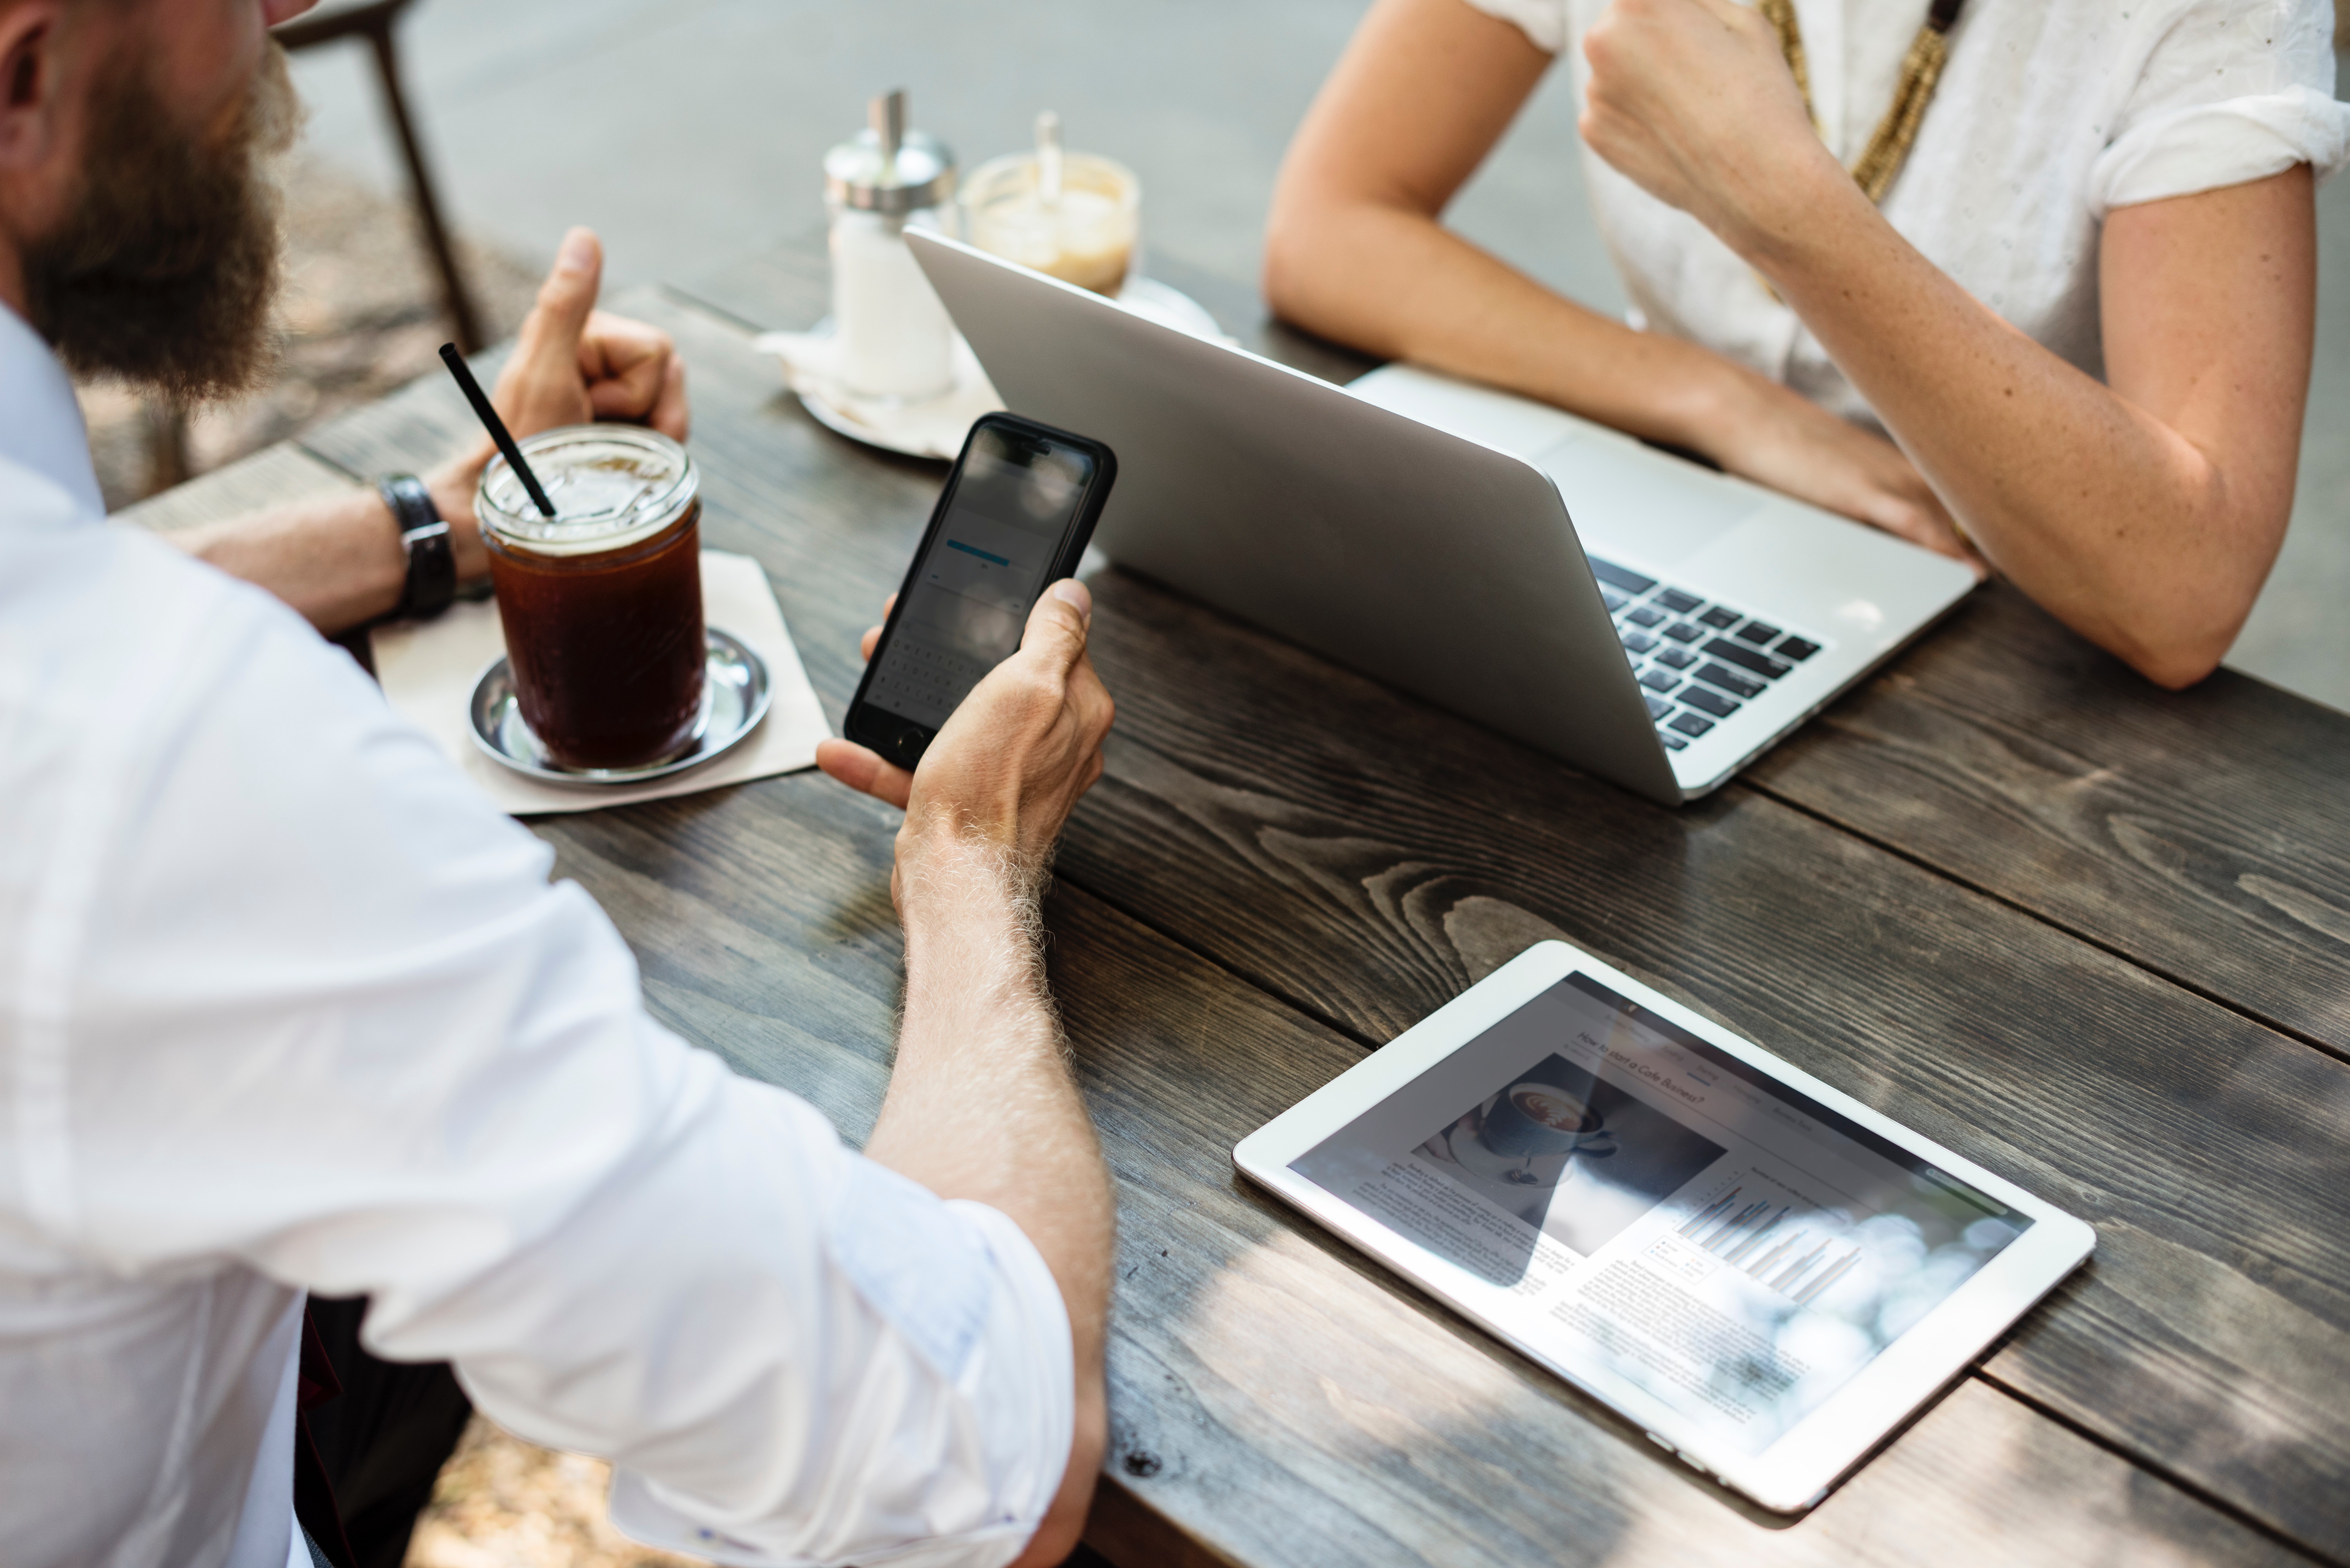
<point>1646,1206</point>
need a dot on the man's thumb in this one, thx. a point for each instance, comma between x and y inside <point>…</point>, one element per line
<point>1057,627</point>
<point>569,295</point>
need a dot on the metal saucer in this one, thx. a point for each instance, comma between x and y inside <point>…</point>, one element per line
<point>734,695</point>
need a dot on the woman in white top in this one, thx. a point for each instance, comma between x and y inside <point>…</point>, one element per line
<point>2082,314</point>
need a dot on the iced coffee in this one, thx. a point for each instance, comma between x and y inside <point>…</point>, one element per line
<point>602,602</point>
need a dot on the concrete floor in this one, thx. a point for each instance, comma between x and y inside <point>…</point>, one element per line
<point>687,130</point>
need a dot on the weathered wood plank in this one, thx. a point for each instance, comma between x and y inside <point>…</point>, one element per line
<point>1275,1399</point>
<point>1365,856</point>
<point>425,423</point>
<point>2205,833</point>
<point>269,477</point>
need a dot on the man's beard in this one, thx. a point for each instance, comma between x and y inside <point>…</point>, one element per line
<point>163,272</point>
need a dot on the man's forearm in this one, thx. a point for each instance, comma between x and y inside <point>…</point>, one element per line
<point>337,559</point>
<point>982,1104</point>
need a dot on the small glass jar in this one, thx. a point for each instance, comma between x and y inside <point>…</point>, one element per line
<point>602,602</point>
<point>895,341</point>
<point>1086,233</point>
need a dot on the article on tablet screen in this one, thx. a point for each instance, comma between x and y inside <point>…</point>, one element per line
<point>1640,1206</point>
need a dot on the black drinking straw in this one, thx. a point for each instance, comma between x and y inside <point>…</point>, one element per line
<point>495,425</point>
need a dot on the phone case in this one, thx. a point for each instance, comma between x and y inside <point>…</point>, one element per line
<point>900,740</point>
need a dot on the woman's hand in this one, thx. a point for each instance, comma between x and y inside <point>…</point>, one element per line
<point>1692,102</point>
<point>1778,437</point>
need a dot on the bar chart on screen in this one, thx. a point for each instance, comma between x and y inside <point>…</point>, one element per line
<point>1775,1236</point>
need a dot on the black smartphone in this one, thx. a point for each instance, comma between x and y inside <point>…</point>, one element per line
<point>1012,520</point>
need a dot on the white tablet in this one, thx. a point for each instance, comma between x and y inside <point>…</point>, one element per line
<point>1765,1274</point>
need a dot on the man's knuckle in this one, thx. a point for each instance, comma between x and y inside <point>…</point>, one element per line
<point>1036,686</point>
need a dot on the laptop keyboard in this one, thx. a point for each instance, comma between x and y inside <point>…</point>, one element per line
<point>1698,662</point>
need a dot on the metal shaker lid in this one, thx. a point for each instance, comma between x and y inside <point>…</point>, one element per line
<point>887,168</point>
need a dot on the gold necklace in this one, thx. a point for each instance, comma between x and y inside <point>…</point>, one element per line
<point>1921,72</point>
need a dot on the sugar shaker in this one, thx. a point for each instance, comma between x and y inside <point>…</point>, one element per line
<point>895,340</point>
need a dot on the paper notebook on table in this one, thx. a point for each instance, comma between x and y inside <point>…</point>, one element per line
<point>427,670</point>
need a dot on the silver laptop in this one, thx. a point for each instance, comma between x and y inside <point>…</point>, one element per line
<point>1433,535</point>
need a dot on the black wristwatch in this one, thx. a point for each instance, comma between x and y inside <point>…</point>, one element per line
<point>431,560</point>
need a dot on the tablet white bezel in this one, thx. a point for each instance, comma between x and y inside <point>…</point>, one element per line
<point>1794,1472</point>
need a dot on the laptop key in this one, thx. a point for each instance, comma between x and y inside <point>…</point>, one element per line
<point>1676,657</point>
<point>1730,680</point>
<point>1745,658</point>
<point>1679,602</point>
<point>1615,601</point>
<point>1661,680</point>
<point>1617,576</point>
<point>1721,617</point>
<point>1681,631</point>
<point>1690,724</point>
<point>1647,615</point>
<point>1756,632</point>
<point>1638,641</point>
<point>1673,741</point>
<point>1698,697</point>
<point>1658,706</point>
<point>1797,648</point>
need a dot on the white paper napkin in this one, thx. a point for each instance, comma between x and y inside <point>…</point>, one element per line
<point>429,668</point>
<point>933,428</point>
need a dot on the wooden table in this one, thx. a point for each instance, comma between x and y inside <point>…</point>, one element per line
<point>2094,935</point>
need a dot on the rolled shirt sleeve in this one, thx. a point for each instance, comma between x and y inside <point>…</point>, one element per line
<point>1544,22</point>
<point>2233,90</point>
<point>331,1023</point>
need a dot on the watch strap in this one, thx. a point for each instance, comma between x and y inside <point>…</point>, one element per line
<point>424,536</point>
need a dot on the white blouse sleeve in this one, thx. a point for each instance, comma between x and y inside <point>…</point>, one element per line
<point>1543,21</point>
<point>2232,91</point>
<point>332,1021</point>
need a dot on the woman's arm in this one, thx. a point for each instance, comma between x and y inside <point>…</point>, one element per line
<point>1354,251</point>
<point>2144,512</point>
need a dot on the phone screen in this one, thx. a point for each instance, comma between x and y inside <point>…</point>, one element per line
<point>1015,497</point>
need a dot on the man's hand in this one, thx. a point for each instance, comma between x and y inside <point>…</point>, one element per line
<point>338,560</point>
<point>1692,102</point>
<point>572,364</point>
<point>1005,771</point>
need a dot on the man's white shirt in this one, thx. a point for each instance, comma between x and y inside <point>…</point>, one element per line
<point>285,1006</point>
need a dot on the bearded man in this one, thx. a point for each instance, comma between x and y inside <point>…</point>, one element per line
<point>285,1007</point>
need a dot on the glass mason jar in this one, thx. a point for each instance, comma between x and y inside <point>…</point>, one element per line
<point>602,602</point>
